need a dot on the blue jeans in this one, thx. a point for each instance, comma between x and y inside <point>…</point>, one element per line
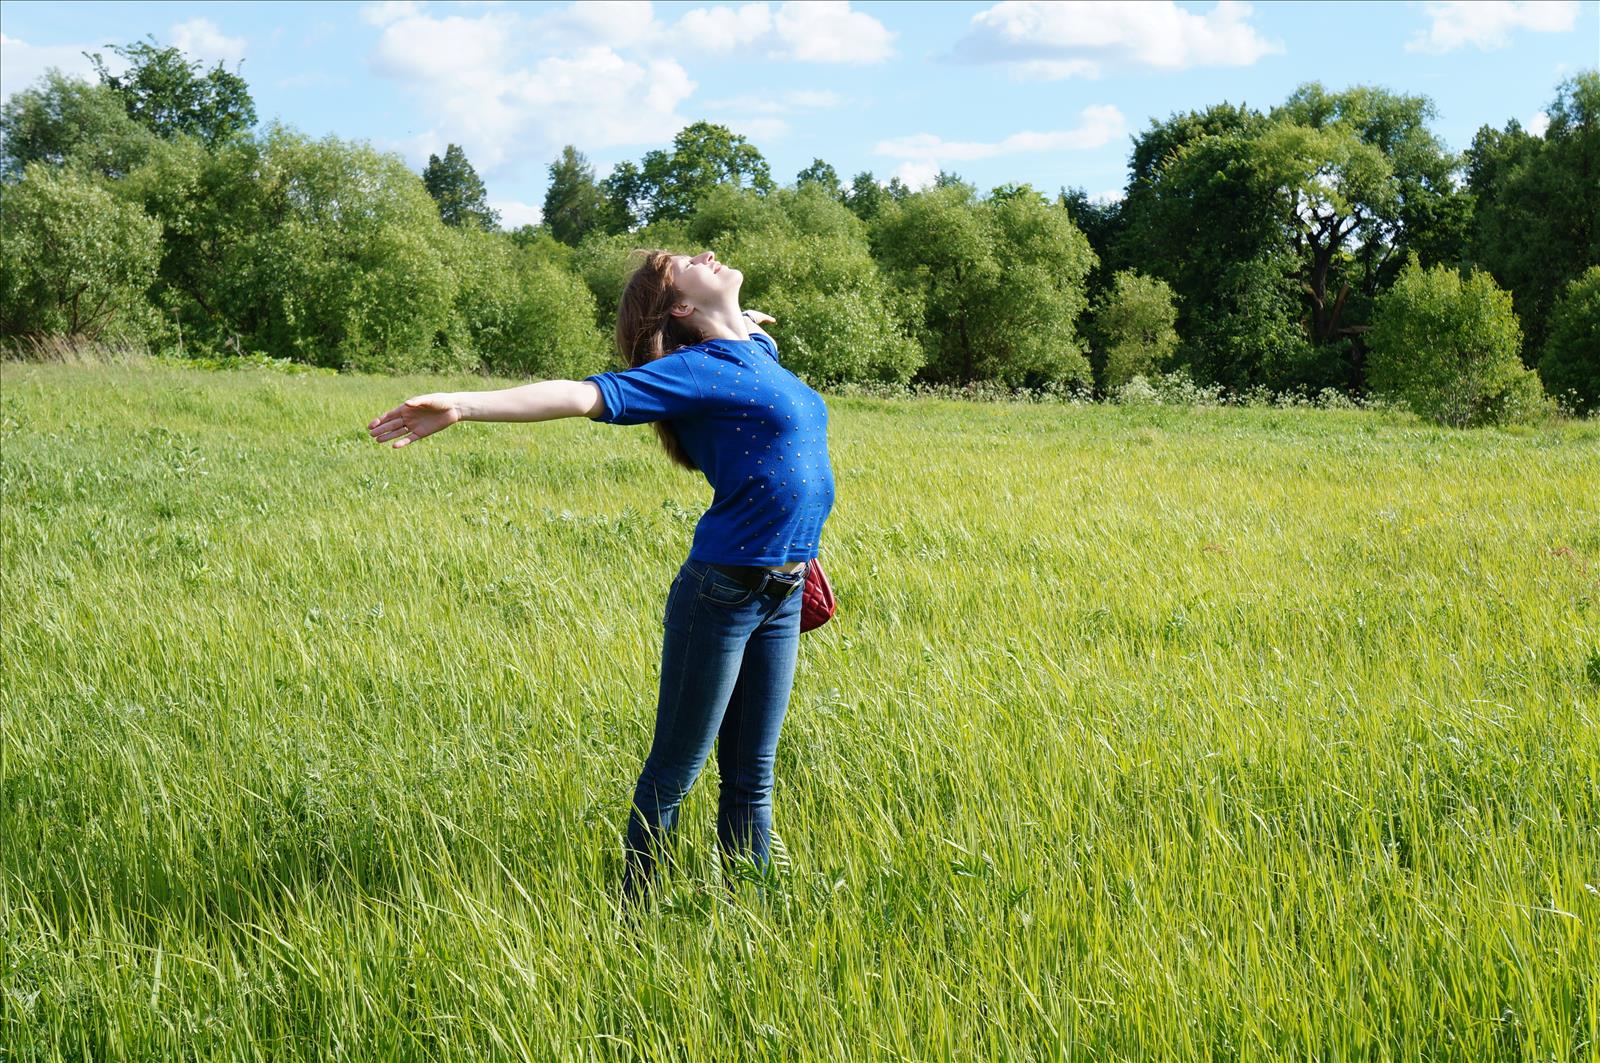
<point>727,665</point>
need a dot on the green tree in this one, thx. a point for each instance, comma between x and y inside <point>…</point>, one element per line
<point>171,96</point>
<point>1536,224</point>
<point>1362,182</point>
<point>1342,184</point>
<point>456,187</point>
<point>669,185</point>
<point>1194,212</point>
<point>523,314</point>
<point>1203,222</point>
<point>61,120</point>
<point>77,261</point>
<point>1570,362</point>
<point>1255,336</point>
<point>1102,223</point>
<point>318,250</point>
<point>1134,322</point>
<point>1449,348</point>
<point>1001,284</point>
<point>865,197</point>
<point>574,204</point>
<point>823,176</point>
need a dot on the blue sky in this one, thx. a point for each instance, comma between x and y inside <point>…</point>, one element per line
<point>1047,93</point>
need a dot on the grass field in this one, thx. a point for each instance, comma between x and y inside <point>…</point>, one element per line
<point>1140,734</point>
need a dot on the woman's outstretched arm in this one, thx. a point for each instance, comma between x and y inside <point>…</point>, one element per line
<point>544,400</point>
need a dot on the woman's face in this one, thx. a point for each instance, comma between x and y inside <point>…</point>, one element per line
<point>702,280</point>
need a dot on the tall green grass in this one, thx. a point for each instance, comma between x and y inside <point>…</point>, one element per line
<point>1140,734</point>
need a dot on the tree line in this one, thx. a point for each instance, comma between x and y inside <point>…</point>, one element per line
<point>1329,242</point>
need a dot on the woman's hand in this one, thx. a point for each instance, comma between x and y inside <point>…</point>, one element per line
<point>415,418</point>
<point>759,318</point>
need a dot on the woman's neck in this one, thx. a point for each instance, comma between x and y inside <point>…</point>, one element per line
<point>721,323</point>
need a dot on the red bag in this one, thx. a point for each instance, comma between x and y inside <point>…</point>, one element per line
<point>816,604</point>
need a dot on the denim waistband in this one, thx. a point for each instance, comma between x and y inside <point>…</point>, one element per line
<point>758,577</point>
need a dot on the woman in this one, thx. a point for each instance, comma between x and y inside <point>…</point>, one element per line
<point>710,382</point>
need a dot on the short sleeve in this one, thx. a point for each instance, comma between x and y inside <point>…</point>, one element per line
<point>656,391</point>
<point>766,343</point>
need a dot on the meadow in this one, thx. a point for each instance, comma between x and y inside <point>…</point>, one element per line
<point>1141,733</point>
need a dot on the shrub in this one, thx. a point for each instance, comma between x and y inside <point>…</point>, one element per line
<point>1001,283</point>
<point>1134,321</point>
<point>831,337</point>
<point>356,273</point>
<point>1570,361</point>
<point>1448,348</point>
<point>1252,336</point>
<point>76,260</point>
<point>524,315</point>
<point>837,318</point>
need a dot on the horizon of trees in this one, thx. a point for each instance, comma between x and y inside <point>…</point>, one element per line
<point>1252,249</point>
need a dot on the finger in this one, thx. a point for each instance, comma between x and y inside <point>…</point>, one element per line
<point>387,429</point>
<point>407,439</point>
<point>388,424</point>
<point>391,433</point>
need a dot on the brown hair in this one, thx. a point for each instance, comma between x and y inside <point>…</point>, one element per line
<point>646,330</point>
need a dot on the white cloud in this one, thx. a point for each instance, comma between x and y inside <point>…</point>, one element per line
<point>810,31</point>
<point>1539,124</point>
<point>827,31</point>
<point>476,84</point>
<point>201,39</point>
<point>1488,24</point>
<point>1108,197</point>
<point>514,215</point>
<point>511,87</point>
<point>613,23</point>
<point>1080,38</point>
<point>807,99</point>
<point>917,175</point>
<point>21,63</point>
<point>760,118</point>
<point>723,29</point>
<point>387,11</point>
<point>1101,123</point>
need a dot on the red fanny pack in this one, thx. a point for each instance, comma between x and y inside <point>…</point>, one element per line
<point>816,600</point>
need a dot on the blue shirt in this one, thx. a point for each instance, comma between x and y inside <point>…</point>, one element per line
<point>758,433</point>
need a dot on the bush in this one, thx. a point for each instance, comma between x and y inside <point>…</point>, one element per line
<point>356,274</point>
<point>1252,336</point>
<point>1001,282</point>
<point>1448,348</point>
<point>1134,322</point>
<point>1570,361</point>
<point>832,337</point>
<point>524,315</point>
<point>76,261</point>
<point>837,318</point>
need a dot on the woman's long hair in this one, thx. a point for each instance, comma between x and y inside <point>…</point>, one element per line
<point>646,330</point>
